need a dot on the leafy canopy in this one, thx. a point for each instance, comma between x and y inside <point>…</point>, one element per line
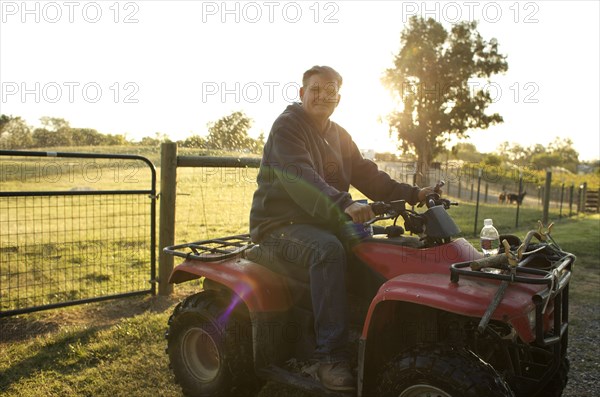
<point>432,76</point>
<point>558,153</point>
<point>230,132</point>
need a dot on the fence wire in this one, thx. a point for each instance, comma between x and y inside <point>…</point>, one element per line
<point>65,247</point>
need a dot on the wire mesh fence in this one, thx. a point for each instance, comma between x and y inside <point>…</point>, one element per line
<point>212,201</point>
<point>501,192</point>
<point>496,186</point>
<point>74,231</point>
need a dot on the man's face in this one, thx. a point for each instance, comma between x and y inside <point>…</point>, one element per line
<point>320,97</point>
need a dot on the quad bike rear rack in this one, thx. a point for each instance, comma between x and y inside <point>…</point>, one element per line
<point>212,250</point>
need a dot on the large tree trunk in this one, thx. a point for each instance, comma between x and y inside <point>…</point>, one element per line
<point>423,161</point>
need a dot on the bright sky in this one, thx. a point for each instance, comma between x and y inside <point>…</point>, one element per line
<point>140,67</point>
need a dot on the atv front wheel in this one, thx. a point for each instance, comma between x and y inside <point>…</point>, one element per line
<point>440,371</point>
<point>210,347</point>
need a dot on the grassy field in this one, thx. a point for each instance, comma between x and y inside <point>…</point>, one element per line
<point>116,348</point>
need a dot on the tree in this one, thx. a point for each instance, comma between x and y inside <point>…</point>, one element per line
<point>259,143</point>
<point>230,132</point>
<point>45,138</point>
<point>14,133</point>
<point>432,76</point>
<point>194,141</point>
<point>114,139</point>
<point>467,152</point>
<point>54,132</point>
<point>54,123</point>
<point>149,141</point>
<point>512,151</point>
<point>568,155</point>
<point>159,137</point>
<point>4,119</point>
<point>86,137</point>
<point>558,153</point>
<point>492,159</point>
<point>386,156</point>
<point>545,160</point>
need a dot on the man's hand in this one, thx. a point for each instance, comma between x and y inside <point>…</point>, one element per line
<point>360,213</point>
<point>426,191</point>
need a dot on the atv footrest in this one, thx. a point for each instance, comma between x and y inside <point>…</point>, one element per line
<point>299,380</point>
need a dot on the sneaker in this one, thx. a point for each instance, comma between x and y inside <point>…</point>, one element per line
<point>336,376</point>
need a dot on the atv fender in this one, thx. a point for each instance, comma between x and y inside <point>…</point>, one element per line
<point>261,289</point>
<point>390,258</point>
<point>469,297</point>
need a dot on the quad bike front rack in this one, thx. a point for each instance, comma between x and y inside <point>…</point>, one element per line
<point>522,266</point>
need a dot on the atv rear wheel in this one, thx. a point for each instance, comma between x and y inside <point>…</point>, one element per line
<point>210,348</point>
<point>440,371</point>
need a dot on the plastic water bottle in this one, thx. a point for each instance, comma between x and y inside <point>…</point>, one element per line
<point>490,239</point>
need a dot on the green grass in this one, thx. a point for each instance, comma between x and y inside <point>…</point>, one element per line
<point>124,357</point>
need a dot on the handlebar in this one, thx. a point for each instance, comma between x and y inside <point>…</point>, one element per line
<point>434,226</point>
<point>413,221</point>
<point>396,207</point>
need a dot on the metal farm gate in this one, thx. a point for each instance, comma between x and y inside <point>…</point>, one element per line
<point>74,228</point>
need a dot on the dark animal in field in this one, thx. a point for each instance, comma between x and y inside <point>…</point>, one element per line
<point>502,198</point>
<point>515,198</point>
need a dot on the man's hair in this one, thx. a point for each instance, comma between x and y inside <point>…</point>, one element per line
<point>322,70</point>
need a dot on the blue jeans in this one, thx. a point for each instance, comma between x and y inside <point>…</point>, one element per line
<point>323,255</point>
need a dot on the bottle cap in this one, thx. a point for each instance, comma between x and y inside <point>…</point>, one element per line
<point>487,222</point>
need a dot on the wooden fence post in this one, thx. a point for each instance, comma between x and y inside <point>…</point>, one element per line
<point>571,192</point>
<point>562,196</point>
<point>518,202</point>
<point>477,203</point>
<point>546,202</point>
<point>168,190</point>
<point>486,193</point>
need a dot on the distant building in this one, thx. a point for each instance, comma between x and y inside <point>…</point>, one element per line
<point>368,154</point>
<point>586,168</point>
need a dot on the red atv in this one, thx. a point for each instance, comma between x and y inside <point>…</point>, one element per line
<point>430,316</point>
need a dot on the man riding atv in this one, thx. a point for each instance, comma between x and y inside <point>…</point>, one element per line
<point>425,313</point>
<point>308,165</point>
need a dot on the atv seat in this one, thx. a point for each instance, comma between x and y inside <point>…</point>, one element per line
<point>261,256</point>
